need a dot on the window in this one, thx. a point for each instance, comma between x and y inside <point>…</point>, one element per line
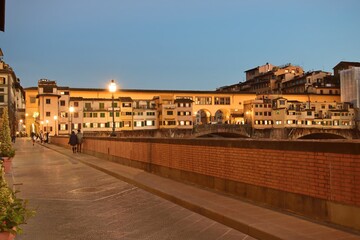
<point>48,114</point>
<point>62,103</point>
<point>126,104</point>
<point>1,98</point>
<point>32,99</point>
<point>115,104</point>
<point>203,100</point>
<point>48,101</point>
<point>102,115</point>
<point>138,123</point>
<point>2,89</point>
<point>172,123</point>
<point>169,112</point>
<point>63,114</point>
<point>87,106</point>
<point>76,104</point>
<point>282,102</point>
<point>48,89</point>
<point>150,114</point>
<point>63,127</point>
<point>94,115</point>
<point>309,113</point>
<point>150,123</point>
<point>222,100</point>
<point>101,105</point>
<point>76,114</point>
<point>2,80</point>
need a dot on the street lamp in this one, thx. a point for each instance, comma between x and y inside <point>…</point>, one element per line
<point>71,110</point>
<point>55,119</point>
<point>112,89</point>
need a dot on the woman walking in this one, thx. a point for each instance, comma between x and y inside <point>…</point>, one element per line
<point>73,141</point>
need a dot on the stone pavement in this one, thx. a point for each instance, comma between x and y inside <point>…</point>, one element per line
<point>54,177</point>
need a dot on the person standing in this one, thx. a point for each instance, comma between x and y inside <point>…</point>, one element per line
<point>33,137</point>
<point>79,136</point>
<point>41,136</point>
<point>73,141</point>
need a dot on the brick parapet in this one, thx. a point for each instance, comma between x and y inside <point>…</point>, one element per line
<point>320,172</point>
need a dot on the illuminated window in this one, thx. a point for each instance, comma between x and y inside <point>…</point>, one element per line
<point>150,123</point>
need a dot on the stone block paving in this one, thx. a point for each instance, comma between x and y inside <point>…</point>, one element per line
<point>75,201</point>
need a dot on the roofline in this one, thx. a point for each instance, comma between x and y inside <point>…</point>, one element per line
<point>150,90</point>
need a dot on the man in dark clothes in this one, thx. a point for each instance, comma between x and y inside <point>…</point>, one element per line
<point>73,141</point>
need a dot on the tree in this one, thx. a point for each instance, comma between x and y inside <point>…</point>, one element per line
<point>5,138</point>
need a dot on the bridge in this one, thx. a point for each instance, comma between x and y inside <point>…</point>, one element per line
<point>246,131</point>
<point>224,130</point>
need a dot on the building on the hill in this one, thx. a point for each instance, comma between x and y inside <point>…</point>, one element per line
<point>266,79</point>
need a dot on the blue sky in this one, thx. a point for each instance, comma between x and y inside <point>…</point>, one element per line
<point>174,45</point>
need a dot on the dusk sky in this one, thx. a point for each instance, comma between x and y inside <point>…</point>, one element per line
<point>174,45</point>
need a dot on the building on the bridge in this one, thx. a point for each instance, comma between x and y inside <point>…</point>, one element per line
<point>279,112</point>
<point>12,97</point>
<point>48,108</point>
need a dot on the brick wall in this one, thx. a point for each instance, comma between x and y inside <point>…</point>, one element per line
<point>328,171</point>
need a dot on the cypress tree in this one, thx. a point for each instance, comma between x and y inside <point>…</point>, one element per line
<point>5,138</point>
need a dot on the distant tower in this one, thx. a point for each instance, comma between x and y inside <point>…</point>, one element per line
<point>48,104</point>
<point>350,87</point>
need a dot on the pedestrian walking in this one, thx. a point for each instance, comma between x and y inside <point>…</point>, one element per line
<point>73,141</point>
<point>33,137</point>
<point>79,136</point>
<point>41,136</point>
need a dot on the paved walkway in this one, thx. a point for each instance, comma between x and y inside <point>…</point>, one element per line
<point>62,173</point>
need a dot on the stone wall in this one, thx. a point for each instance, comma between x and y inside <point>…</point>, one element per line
<point>316,179</point>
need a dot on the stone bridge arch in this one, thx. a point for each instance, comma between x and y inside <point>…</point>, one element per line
<point>319,133</point>
<point>222,130</point>
<point>203,116</point>
<point>222,116</point>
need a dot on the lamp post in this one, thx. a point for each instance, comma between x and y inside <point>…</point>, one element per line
<point>55,120</point>
<point>112,89</point>
<point>71,110</point>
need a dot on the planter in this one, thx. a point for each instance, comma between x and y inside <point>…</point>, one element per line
<point>7,164</point>
<point>6,236</point>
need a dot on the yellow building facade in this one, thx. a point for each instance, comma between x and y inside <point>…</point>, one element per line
<point>58,110</point>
